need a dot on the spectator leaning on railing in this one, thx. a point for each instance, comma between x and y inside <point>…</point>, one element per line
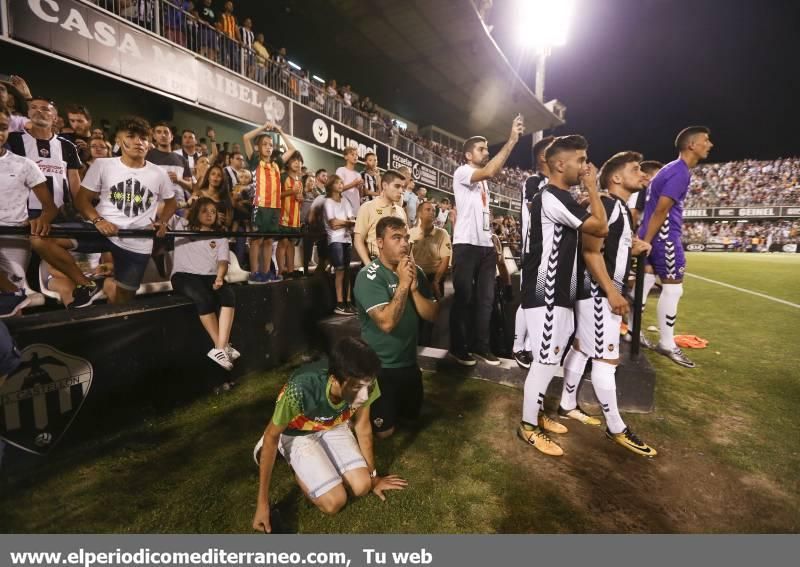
<point>19,176</point>
<point>129,191</point>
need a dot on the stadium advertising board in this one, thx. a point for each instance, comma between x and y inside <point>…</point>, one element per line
<point>95,38</point>
<point>741,212</point>
<point>333,136</point>
<point>423,174</point>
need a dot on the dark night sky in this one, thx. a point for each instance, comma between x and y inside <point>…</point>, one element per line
<point>633,72</point>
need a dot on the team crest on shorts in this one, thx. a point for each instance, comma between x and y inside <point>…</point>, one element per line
<point>611,348</point>
<point>212,244</point>
<point>378,421</point>
<point>42,397</point>
<point>557,350</point>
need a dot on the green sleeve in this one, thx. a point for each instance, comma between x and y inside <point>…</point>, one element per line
<point>289,405</point>
<point>374,394</point>
<point>371,289</point>
<point>422,284</point>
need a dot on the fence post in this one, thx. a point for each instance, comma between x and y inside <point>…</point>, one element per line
<point>637,306</point>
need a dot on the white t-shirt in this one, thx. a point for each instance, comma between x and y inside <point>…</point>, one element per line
<point>128,197</point>
<point>18,175</point>
<point>472,203</point>
<point>353,195</point>
<point>342,211</point>
<point>198,255</point>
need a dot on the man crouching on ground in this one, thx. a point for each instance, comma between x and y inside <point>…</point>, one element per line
<point>311,429</point>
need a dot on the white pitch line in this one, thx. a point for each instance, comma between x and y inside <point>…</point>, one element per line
<point>765,296</point>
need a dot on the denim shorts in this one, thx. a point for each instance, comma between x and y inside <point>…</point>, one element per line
<point>340,253</point>
<point>129,267</point>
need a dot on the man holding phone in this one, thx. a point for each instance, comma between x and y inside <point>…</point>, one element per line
<point>473,251</point>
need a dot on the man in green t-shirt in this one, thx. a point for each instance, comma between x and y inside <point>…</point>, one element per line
<point>392,294</point>
<point>310,427</point>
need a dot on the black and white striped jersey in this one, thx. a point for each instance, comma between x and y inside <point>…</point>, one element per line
<point>531,187</point>
<point>549,271</point>
<point>54,157</point>
<point>616,249</point>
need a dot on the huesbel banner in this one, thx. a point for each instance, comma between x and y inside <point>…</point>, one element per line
<point>91,36</point>
<point>741,212</point>
<point>328,134</point>
<point>423,174</point>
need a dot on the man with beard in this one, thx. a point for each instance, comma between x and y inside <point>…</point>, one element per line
<point>473,251</point>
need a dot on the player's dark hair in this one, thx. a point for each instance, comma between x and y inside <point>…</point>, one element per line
<point>369,154</point>
<point>541,146</point>
<point>615,163</point>
<point>571,143</point>
<point>188,130</point>
<point>470,143</point>
<point>684,137</point>
<point>351,357</point>
<point>651,166</point>
<point>296,156</point>
<point>391,175</point>
<point>388,222</point>
<point>134,125</point>
<point>162,124</point>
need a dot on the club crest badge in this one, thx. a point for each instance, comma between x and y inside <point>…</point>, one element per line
<point>42,397</point>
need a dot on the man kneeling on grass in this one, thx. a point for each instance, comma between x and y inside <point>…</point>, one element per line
<point>311,429</point>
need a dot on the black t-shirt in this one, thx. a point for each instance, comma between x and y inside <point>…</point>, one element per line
<point>84,154</point>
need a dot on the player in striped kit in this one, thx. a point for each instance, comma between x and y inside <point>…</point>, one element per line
<point>549,284</point>
<point>601,305</point>
<point>534,183</point>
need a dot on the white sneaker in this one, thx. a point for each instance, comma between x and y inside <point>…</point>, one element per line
<point>232,353</point>
<point>218,355</point>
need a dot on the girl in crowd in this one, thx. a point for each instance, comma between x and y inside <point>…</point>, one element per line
<point>291,202</point>
<point>201,166</point>
<point>339,222</point>
<point>199,273</point>
<point>214,185</point>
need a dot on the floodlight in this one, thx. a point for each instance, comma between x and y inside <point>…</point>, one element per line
<point>294,65</point>
<point>544,23</point>
<point>318,78</point>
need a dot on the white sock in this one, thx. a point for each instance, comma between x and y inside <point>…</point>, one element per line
<point>667,313</point>
<point>605,388</point>
<point>574,365</point>
<point>536,383</point>
<point>649,282</point>
<point>520,331</point>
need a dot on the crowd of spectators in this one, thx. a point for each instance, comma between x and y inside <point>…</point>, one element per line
<point>745,183</point>
<point>756,236</point>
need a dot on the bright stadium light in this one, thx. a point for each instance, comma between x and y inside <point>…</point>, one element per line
<point>544,23</point>
<point>294,65</point>
<point>318,78</point>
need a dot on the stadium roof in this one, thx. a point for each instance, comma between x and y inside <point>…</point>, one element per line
<point>430,62</point>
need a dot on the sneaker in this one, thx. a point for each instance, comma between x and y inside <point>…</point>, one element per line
<point>12,303</point>
<point>524,358</point>
<point>488,358</point>
<point>549,424</point>
<point>578,415</point>
<point>84,295</point>
<point>256,278</point>
<point>540,440</point>
<point>257,450</point>
<point>464,359</point>
<point>218,355</point>
<point>232,353</point>
<point>675,355</point>
<point>341,309</point>
<point>645,342</point>
<point>351,308</point>
<point>629,440</point>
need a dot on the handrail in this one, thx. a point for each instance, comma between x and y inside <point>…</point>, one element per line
<point>60,231</point>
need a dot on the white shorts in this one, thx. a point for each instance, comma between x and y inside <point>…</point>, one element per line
<point>320,459</point>
<point>598,328</point>
<point>15,253</point>
<point>549,331</point>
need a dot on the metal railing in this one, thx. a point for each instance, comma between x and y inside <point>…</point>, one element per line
<point>170,20</point>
